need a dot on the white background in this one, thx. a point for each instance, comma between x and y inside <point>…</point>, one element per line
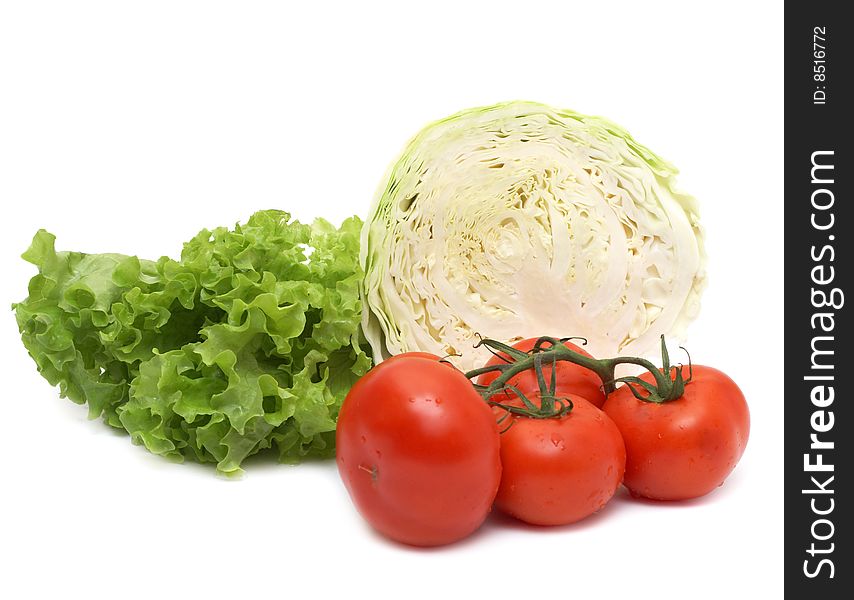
<point>128,127</point>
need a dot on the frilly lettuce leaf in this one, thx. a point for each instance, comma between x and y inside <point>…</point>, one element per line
<point>249,341</point>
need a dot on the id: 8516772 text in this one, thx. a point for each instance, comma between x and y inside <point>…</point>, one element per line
<point>819,64</point>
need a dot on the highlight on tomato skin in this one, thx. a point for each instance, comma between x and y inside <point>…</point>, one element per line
<point>557,471</point>
<point>418,451</point>
<point>684,448</point>
<point>570,378</point>
<point>414,354</point>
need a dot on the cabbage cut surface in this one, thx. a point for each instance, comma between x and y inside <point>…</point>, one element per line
<point>519,220</point>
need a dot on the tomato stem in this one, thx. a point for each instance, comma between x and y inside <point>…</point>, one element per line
<point>668,385</point>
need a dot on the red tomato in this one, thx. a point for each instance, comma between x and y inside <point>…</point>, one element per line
<point>684,448</point>
<point>426,355</point>
<point>569,378</point>
<point>560,470</point>
<point>418,450</point>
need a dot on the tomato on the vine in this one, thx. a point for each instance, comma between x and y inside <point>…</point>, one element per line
<point>418,450</point>
<point>683,448</point>
<point>569,377</point>
<point>559,470</point>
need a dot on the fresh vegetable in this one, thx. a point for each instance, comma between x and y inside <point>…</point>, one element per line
<point>504,220</point>
<point>519,218</point>
<point>684,447</point>
<point>562,469</point>
<point>418,451</point>
<point>249,341</point>
<point>426,355</point>
<point>685,427</point>
<point>570,378</point>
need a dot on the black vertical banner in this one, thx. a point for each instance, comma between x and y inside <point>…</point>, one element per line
<point>819,228</point>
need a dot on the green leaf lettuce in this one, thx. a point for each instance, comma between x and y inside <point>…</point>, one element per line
<point>250,341</point>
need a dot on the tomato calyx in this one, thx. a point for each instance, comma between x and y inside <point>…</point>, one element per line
<point>669,382</point>
<point>550,405</point>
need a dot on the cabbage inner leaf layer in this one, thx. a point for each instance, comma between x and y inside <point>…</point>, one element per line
<point>520,220</point>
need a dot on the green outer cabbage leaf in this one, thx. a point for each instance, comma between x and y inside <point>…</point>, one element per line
<point>519,220</point>
<point>249,341</point>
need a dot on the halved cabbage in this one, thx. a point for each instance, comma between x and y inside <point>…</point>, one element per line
<point>519,220</point>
